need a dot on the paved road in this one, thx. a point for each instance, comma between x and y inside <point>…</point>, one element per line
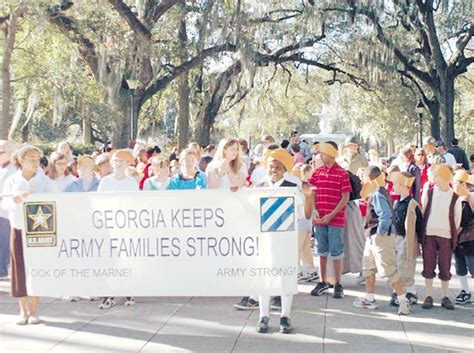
<point>193,324</point>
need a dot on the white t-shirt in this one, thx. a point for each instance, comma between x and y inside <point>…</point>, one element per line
<point>111,183</point>
<point>60,183</point>
<point>438,221</point>
<point>449,158</point>
<point>10,169</point>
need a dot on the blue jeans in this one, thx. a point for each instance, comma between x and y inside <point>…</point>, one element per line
<point>4,246</point>
<point>330,241</point>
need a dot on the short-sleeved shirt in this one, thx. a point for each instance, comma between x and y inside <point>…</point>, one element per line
<point>330,184</point>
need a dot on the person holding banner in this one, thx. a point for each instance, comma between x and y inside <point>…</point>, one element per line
<point>277,163</point>
<point>227,170</point>
<point>6,169</point>
<point>118,181</point>
<point>188,177</point>
<point>159,176</point>
<point>87,180</point>
<point>332,195</point>
<point>17,187</point>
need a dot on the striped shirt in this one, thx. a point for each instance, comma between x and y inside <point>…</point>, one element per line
<point>330,184</point>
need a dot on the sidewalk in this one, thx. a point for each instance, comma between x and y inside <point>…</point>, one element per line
<point>192,324</point>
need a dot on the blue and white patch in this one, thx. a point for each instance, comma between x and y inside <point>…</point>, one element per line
<point>277,214</point>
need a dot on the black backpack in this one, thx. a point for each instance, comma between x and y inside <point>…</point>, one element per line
<point>356,186</point>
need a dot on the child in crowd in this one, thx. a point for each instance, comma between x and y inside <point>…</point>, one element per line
<point>379,251</point>
<point>406,227</point>
<point>464,253</point>
<point>26,180</point>
<point>442,210</point>
<point>188,176</point>
<point>58,171</point>
<point>160,175</point>
<point>104,168</point>
<point>118,181</point>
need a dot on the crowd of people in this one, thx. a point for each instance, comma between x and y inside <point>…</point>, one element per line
<point>357,212</point>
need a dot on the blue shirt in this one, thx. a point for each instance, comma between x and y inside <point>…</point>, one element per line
<point>383,210</point>
<point>78,186</point>
<point>177,182</point>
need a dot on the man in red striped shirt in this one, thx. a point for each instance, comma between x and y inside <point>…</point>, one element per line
<point>332,186</point>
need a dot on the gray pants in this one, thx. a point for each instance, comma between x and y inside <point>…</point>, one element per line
<point>406,268</point>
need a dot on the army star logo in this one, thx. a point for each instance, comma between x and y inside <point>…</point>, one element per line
<point>40,218</point>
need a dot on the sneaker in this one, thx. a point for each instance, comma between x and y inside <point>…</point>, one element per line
<point>412,298</point>
<point>22,320</point>
<point>107,303</point>
<point>428,303</point>
<point>285,325</point>
<point>303,277</point>
<point>447,304</point>
<point>364,303</point>
<point>338,291</point>
<point>74,299</point>
<point>34,320</point>
<point>129,301</point>
<point>463,298</point>
<point>313,277</point>
<point>320,289</point>
<point>262,326</point>
<point>394,299</point>
<point>276,303</point>
<point>246,303</point>
<point>404,307</point>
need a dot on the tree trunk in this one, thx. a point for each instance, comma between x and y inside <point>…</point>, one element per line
<point>447,110</point>
<point>433,106</point>
<point>183,91</point>
<point>86,130</point>
<point>25,133</point>
<point>6,118</point>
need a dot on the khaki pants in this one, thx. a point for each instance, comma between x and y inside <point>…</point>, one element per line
<point>305,255</point>
<point>406,268</point>
<point>379,256</point>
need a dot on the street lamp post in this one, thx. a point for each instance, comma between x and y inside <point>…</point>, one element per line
<point>419,109</point>
<point>132,85</point>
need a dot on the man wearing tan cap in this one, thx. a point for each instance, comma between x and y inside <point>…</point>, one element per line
<point>432,155</point>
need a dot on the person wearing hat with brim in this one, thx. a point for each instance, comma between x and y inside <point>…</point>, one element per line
<point>277,162</point>
<point>432,155</point>
<point>442,211</point>
<point>328,202</point>
<point>464,252</point>
<point>118,181</point>
<point>353,160</point>
<point>406,227</point>
<point>87,180</point>
<point>379,251</point>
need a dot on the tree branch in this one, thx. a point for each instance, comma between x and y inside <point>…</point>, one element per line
<point>162,82</point>
<point>162,8</point>
<point>135,24</point>
<point>461,44</point>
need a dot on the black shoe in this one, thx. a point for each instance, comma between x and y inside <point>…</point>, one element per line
<point>428,303</point>
<point>338,291</point>
<point>447,304</point>
<point>246,303</point>
<point>463,298</point>
<point>275,303</point>
<point>285,325</point>
<point>412,298</point>
<point>262,326</point>
<point>394,299</point>
<point>320,289</point>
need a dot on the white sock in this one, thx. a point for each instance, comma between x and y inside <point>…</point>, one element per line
<point>286,301</point>
<point>429,287</point>
<point>445,288</point>
<point>401,298</point>
<point>411,290</point>
<point>464,283</point>
<point>370,297</point>
<point>264,305</point>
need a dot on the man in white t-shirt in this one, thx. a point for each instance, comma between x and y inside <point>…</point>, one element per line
<point>118,181</point>
<point>448,157</point>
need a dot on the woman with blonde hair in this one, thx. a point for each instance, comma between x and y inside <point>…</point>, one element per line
<point>65,148</point>
<point>26,180</point>
<point>59,172</point>
<point>159,175</point>
<point>227,169</point>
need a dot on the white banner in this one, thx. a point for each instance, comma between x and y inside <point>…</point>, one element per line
<point>162,243</point>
